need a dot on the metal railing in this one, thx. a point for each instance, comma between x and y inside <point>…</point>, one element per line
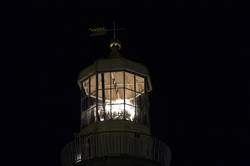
<point>113,144</point>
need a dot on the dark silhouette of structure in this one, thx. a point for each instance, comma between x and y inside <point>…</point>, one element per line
<point>115,125</point>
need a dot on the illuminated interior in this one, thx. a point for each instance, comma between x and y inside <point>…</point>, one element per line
<point>113,96</point>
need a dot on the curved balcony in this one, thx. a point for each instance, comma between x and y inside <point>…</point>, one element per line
<point>115,144</point>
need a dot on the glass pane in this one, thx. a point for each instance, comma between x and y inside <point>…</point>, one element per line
<point>114,95</point>
<point>139,100</point>
<point>92,115</point>
<point>139,84</point>
<point>129,112</point>
<point>129,81</point>
<point>101,112</point>
<point>129,105</point>
<point>117,80</point>
<point>130,97</point>
<point>107,95</point>
<point>117,111</point>
<point>92,99</point>
<point>107,79</point>
<point>117,94</point>
<point>99,77</point>
<point>130,94</point>
<point>92,83</point>
<point>108,111</point>
<point>86,86</point>
<point>121,93</point>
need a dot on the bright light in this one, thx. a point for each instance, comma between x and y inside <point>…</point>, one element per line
<point>117,109</point>
<point>78,157</point>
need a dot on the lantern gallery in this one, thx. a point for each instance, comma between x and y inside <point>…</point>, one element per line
<point>115,122</point>
<point>116,95</point>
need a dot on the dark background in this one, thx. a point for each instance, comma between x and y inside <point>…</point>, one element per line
<point>197,53</point>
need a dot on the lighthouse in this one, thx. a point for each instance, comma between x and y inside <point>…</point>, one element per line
<point>115,122</point>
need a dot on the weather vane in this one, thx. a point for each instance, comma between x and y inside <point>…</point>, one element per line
<point>99,31</point>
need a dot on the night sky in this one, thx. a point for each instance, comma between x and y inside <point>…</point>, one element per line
<point>198,60</point>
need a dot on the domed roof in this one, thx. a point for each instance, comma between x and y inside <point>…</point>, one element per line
<point>115,62</point>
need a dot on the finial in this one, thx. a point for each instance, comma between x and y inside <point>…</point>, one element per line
<point>115,43</point>
<point>114,33</point>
